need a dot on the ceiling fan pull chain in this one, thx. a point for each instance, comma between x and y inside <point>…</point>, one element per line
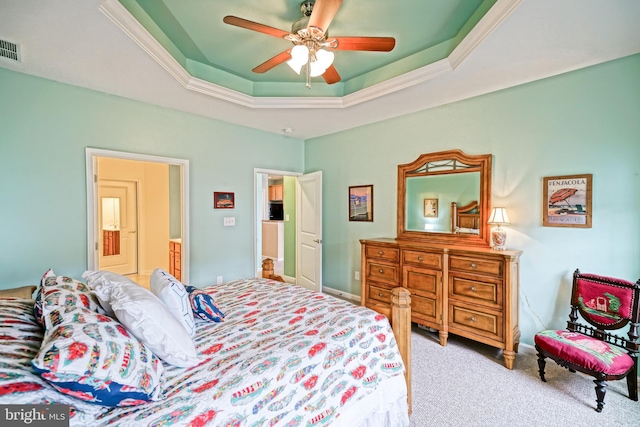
<point>309,71</point>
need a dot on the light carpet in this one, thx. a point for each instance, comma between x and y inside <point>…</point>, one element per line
<point>466,384</point>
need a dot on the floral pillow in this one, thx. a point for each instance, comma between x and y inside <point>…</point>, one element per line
<point>64,292</point>
<point>204,306</point>
<point>94,358</point>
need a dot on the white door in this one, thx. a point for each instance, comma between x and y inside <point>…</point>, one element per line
<point>125,219</point>
<point>309,231</point>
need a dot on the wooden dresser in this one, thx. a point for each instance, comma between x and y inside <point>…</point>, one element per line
<point>467,291</point>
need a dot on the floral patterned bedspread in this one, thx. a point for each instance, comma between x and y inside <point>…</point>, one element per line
<point>284,356</point>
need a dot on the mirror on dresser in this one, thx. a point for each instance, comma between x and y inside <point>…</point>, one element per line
<point>444,197</point>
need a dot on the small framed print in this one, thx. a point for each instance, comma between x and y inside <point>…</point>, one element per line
<point>567,201</point>
<point>223,200</point>
<point>431,208</point>
<point>361,203</point>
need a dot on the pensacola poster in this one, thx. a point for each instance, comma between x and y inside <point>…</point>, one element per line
<point>567,201</point>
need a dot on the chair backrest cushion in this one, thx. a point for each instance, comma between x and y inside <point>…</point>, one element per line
<point>603,300</point>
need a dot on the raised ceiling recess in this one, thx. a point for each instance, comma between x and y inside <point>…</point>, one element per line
<point>380,46</point>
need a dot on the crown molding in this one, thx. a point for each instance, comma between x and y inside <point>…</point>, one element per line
<point>498,13</point>
<point>120,16</point>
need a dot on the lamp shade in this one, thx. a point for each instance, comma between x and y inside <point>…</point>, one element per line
<point>299,57</point>
<point>499,216</point>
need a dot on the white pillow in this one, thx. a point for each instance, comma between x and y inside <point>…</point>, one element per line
<point>145,316</point>
<point>173,294</point>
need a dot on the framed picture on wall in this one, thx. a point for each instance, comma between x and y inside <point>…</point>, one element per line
<point>566,201</point>
<point>223,200</point>
<point>431,208</point>
<point>361,203</point>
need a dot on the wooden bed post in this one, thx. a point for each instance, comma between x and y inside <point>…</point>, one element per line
<point>401,325</point>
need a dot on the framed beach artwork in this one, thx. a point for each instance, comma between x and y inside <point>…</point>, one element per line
<point>431,208</point>
<point>223,200</point>
<point>361,203</point>
<point>567,201</point>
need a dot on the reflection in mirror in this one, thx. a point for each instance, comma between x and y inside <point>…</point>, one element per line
<point>461,188</point>
<point>111,226</point>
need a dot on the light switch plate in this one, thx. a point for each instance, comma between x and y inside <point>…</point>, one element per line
<point>229,221</point>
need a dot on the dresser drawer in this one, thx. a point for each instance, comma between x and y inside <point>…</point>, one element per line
<point>382,272</point>
<point>379,293</point>
<point>425,309</point>
<point>485,323</point>
<point>427,259</point>
<point>476,265</point>
<point>422,281</point>
<point>382,252</point>
<point>487,291</point>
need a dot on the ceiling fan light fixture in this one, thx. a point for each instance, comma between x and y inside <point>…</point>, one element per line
<point>324,59</point>
<point>299,57</point>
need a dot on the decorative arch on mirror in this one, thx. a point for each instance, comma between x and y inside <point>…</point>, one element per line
<point>454,179</point>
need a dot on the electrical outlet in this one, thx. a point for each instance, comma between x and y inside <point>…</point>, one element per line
<point>219,280</point>
<point>229,221</point>
<point>286,217</point>
<point>356,275</point>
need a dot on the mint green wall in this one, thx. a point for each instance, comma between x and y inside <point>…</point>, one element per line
<point>289,183</point>
<point>175,204</point>
<point>45,129</point>
<point>586,121</point>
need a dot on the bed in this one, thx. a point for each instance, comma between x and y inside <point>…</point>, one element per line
<point>465,219</point>
<point>284,356</point>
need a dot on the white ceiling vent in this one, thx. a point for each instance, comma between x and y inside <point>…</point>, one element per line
<point>9,50</point>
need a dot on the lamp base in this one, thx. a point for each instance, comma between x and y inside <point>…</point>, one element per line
<point>499,238</point>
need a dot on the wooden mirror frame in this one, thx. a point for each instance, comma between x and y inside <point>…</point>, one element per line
<point>420,167</point>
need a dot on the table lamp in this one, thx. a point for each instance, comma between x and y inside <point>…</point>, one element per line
<point>499,236</point>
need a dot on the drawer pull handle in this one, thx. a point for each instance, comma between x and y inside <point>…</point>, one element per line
<point>473,289</point>
<point>381,271</point>
<point>379,294</point>
<point>420,258</point>
<point>473,318</point>
<point>380,252</point>
<point>473,265</point>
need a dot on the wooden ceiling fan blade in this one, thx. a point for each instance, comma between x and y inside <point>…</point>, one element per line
<point>323,13</point>
<point>276,60</point>
<point>254,26</point>
<point>375,44</point>
<point>331,76</point>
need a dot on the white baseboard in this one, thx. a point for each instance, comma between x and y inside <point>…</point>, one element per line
<point>341,294</point>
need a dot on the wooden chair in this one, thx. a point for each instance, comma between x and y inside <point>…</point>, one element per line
<point>605,304</point>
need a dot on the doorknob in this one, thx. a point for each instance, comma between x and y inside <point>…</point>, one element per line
<point>318,241</point>
<point>132,232</point>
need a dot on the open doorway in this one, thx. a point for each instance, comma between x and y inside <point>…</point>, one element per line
<point>137,207</point>
<point>301,234</point>
<point>275,221</point>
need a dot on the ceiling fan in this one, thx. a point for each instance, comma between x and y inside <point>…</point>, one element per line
<point>311,44</point>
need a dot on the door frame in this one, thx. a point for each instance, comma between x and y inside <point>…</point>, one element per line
<point>257,224</point>
<point>91,155</point>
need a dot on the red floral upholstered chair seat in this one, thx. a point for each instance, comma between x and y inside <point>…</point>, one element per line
<point>605,304</point>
